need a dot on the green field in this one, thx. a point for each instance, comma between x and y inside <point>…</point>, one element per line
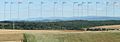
<point>73,37</point>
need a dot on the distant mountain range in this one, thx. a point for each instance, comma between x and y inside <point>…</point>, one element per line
<point>51,19</point>
<point>73,18</point>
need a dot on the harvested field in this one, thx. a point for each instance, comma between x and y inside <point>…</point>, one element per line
<point>109,26</point>
<point>10,41</point>
<point>17,35</point>
<point>11,36</point>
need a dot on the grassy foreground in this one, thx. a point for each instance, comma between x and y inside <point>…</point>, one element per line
<point>73,37</point>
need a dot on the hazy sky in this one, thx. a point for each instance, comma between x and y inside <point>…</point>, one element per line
<point>48,9</point>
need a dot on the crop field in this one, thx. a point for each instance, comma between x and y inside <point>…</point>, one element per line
<point>58,36</point>
<point>73,37</point>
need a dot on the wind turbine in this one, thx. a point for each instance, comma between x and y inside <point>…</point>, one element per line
<point>10,9</point>
<point>73,9</point>
<point>41,8</point>
<point>63,8</point>
<point>63,3</point>
<point>74,3</point>
<point>13,23</point>
<point>19,3</point>
<point>82,8</point>
<point>29,3</point>
<point>79,9</point>
<point>5,3</point>
<point>114,4</point>
<point>88,3</point>
<point>97,8</point>
<point>107,3</point>
<point>54,9</point>
<point>107,8</point>
<point>4,14</point>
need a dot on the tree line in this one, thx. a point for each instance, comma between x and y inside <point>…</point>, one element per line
<point>59,25</point>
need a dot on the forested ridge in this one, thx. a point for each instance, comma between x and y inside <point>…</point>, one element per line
<point>59,25</point>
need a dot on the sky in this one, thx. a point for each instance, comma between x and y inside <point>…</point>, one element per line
<point>34,9</point>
